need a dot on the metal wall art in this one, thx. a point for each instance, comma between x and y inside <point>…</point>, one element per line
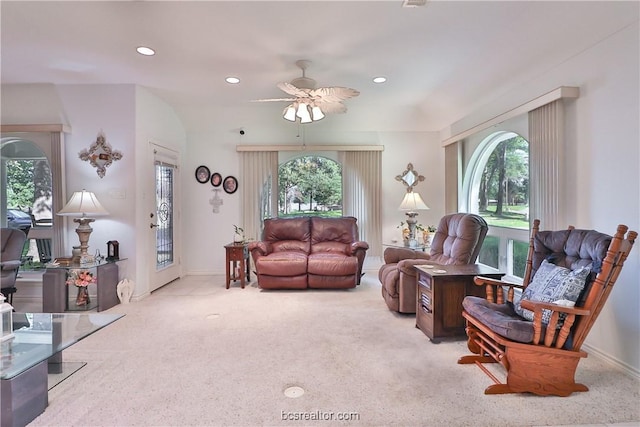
<point>100,154</point>
<point>410,178</point>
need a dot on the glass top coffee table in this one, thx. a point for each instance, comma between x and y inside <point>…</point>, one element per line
<point>34,352</point>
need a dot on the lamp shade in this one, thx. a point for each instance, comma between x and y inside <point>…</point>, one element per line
<point>412,202</point>
<point>83,203</point>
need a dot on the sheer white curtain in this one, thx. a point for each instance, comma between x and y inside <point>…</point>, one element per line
<point>259,172</point>
<point>361,194</point>
<point>546,165</point>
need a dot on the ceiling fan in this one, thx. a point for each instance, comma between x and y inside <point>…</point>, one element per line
<point>309,103</point>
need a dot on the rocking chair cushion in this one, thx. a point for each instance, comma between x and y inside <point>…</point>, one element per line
<point>500,318</point>
<point>552,283</point>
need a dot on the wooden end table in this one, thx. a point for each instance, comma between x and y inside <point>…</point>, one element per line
<point>439,294</point>
<point>238,263</point>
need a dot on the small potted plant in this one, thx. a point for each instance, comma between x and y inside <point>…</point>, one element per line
<point>238,234</point>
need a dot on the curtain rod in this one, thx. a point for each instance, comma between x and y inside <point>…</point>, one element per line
<point>558,93</point>
<point>309,147</point>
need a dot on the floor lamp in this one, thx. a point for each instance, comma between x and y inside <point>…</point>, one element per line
<point>84,205</point>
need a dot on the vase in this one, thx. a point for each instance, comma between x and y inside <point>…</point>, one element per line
<point>427,237</point>
<point>83,296</point>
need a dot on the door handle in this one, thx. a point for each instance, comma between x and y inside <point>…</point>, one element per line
<point>152,225</point>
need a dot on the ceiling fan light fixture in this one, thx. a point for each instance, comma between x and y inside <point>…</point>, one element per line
<point>379,79</point>
<point>232,80</point>
<point>290,113</point>
<point>303,113</point>
<point>316,113</point>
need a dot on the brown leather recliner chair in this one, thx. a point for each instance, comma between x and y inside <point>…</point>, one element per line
<point>458,240</point>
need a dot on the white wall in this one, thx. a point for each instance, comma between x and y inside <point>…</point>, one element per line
<point>208,232</point>
<point>130,117</point>
<point>110,109</point>
<point>156,123</point>
<point>603,151</point>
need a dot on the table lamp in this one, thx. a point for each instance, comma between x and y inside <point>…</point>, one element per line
<point>411,203</point>
<point>84,205</point>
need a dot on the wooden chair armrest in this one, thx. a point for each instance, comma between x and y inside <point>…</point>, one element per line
<point>491,287</point>
<point>558,328</point>
<point>539,305</point>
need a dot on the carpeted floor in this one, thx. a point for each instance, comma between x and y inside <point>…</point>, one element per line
<point>196,354</point>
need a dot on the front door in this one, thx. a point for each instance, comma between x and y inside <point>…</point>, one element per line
<point>163,219</point>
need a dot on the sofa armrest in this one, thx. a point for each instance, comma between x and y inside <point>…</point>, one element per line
<point>259,248</point>
<point>393,255</point>
<point>9,265</point>
<point>356,246</point>
<point>406,266</point>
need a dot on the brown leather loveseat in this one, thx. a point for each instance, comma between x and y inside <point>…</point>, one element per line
<point>309,252</point>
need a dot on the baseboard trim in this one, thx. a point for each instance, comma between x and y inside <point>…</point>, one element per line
<point>610,360</point>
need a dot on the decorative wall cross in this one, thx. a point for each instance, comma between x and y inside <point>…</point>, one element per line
<point>216,201</point>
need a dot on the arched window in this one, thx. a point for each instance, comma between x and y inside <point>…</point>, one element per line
<point>310,185</point>
<point>496,186</point>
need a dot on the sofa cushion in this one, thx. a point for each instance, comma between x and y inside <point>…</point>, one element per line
<point>552,283</point>
<point>500,318</point>
<point>338,230</point>
<point>287,234</point>
<point>292,263</point>
<point>332,264</point>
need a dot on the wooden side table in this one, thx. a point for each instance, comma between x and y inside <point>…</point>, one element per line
<point>440,292</point>
<point>238,263</point>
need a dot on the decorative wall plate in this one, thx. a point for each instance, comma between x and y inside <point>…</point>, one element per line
<point>230,184</point>
<point>202,174</point>
<point>216,179</point>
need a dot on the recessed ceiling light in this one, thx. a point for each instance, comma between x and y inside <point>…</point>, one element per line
<point>232,80</point>
<point>379,79</point>
<point>146,51</point>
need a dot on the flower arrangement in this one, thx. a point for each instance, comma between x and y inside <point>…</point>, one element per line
<point>80,278</point>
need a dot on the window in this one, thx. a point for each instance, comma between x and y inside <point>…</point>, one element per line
<point>310,185</point>
<point>496,186</point>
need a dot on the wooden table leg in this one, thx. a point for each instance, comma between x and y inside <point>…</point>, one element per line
<point>228,272</point>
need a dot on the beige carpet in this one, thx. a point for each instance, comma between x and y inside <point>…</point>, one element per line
<point>195,354</point>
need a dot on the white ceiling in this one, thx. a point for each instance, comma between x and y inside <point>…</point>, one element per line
<point>442,61</point>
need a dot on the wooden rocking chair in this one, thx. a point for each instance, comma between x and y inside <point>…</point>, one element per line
<point>538,339</point>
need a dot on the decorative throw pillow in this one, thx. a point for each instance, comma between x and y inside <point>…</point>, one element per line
<point>552,283</point>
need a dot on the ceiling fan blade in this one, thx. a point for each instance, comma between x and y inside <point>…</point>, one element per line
<point>334,94</point>
<point>273,100</point>
<point>292,90</point>
<point>332,107</point>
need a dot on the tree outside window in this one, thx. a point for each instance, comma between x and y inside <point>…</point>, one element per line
<point>498,190</point>
<point>310,185</point>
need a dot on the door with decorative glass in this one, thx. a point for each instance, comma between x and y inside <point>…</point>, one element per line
<point>165,235</point>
